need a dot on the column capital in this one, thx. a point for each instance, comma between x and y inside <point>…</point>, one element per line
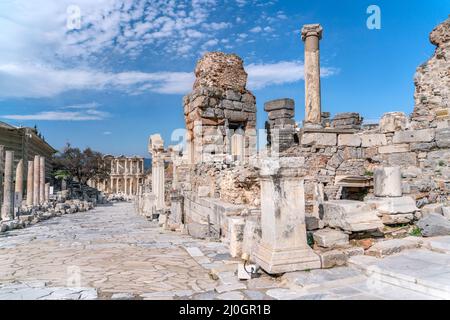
<point>309,30</point>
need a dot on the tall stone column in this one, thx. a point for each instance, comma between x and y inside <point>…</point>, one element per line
<point>19,183</point>
<point>47,192</point>
<point>283,247</point>
<point>311,35</point>
<point>2,168</point>
<point>36,180</point>
<point>156,147</point>
<point>8,187</point>
<point>42,180</point>
<point>30,174</point>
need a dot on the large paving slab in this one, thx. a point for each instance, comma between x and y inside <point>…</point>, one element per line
<point>420,270</point>
<point>113,253</point>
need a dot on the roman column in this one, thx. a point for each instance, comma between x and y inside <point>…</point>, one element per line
<point>19,183</point>
<point>8,187</point>
<point>47,192</point>
<point>30,183</point>
<point>311,35</point>
<point>2,167</point>
<point>36,172</point>
<point>42,180</point>
<point>283,247</point>
<point>156,148</point>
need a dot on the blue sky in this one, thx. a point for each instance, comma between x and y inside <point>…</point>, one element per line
<point>121,76</point>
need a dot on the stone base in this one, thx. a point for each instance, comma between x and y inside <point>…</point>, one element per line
<point>281,261</point>
<point>308,125</point>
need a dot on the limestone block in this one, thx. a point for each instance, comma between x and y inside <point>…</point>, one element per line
<point>411,136</point>
<point>248,98</point>
<point>320,139</point>
<point>423,146</point>
<point>395,148</point>
<point>394,205</point>
<point>236,236</point>
<point>339,257</point>
<point>389,247</point>
<point>387,182</point>
<point>237,116</point>
<point>233,95</point>
<point>373,140</point>
<point>251,235</point>
<point>349,215</point>
<point>282,113</point>
<point>446,212</point>
<point>197,230</point>
<point>313,223</point>
<point>403,159</point>
<point>443,138</point>
<point>434,225</point>
<point>389,219</point>
<point>329,238</point>
<point>279,104</point>
<point>333,258</point>
<point>394,121</point>
<point>349,140</point>
<point>432,208</point>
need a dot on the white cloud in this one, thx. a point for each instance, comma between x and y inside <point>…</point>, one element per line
<point>264,75</point>
<point>256,29</point>
<point>58,115</point>
<point>37,81</point>
<point>45,29</point>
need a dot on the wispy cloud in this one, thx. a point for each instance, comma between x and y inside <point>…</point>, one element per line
<point>84,112</point>
<point>37,81</point>
<point>267,74</point>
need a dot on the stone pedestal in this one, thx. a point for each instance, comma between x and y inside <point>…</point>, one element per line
<point>36,179</point>
<point>19,184</point>
<point>388,182</point>
<point>30,174</point>
<point>41,180</point>
<point>8,187</point>
<point>283,246</point>
<point>311,35</point>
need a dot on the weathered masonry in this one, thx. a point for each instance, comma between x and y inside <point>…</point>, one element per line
<point>320,186</point>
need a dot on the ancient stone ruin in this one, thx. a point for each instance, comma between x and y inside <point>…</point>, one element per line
<point>317,190</point>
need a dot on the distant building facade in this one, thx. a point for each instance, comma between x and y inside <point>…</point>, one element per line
<point>126,174</point>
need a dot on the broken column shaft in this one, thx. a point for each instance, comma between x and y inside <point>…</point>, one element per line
<point>19,183</point>
<point>8,187</point>
<point>42,180</point>
<point>36,174</point>
<point>311,35</point>
<point>30,174</point>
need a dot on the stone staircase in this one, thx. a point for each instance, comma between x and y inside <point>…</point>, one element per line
<point>425,270</point>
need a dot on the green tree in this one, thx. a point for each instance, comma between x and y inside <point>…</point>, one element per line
<point>72,163</point>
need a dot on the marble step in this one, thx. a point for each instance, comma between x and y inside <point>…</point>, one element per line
<point>418,270</point>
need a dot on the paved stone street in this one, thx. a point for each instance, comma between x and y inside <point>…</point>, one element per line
<point>111,252</point>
